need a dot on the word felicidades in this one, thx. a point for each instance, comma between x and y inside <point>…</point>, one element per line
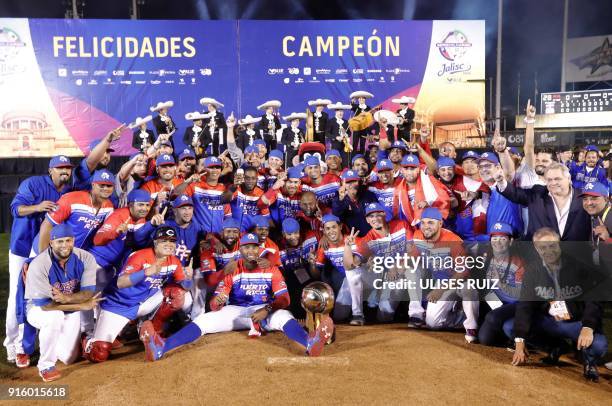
<point>338,46</point>
<point>124,47</point>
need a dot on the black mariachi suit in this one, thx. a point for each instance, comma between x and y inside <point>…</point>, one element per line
<point>403,130</point>
<point>359,136</point>
<point>263,129</point>
<point>188,138</point>
<point>320,126</point>
<point>333,131</point>
<point>243,139</point>
<point>137,140</point>
<point>163,128</point>
<point>287,138</point>
<point>213,138</point>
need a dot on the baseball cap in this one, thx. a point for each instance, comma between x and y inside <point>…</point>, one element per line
<point>591,147</point>
<point>501,229</point>
<point>212,161</point>
<point>489,156</point>
<point>251,149</point>
<point>595,189</point>
<point>373,208</point>
<point>514,151</point>
<point>469,155</point>
<point>384,165</point>
<point>259,142</point>
<point>410,160</point>
<point>350,176</point>
<point>312,161</point>
<point>182,200</point>
<point>330,217</point>
<point>139,195</point>
<point>249,238</point>
<point>166,143</point>
<point>61,231</point>
<point>60,161</point>
<point>165,159</point>
<point>445,161</point>
<point>399,144</point>
<point>165,233</point>
<point>95,143</point>
<point>294,173</point>
<point>432,213</point>
<point>186,153</point>
<point>333,152</point>
<point>104,177</point>
<point>356,157</point>
<point>290,225</point>
<point>260,221</point>
<point>230,222</point>
<point>275,153</point>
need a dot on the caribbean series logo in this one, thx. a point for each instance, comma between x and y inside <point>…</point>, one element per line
<point>10,46</point>
<point>454,48</point>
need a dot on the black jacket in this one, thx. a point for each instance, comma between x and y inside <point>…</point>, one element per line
<point>264,129</point>
<point>161,127</point>
<point>188,137</point>
<point>333,130</point>
<point>320,126</point>
<point>242,138</point>
<point>137,141</point>
<point>403,130</point>
<point>542,212</point>
<point>219,124</point>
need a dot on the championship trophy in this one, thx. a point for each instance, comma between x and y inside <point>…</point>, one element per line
<point>318,301</point>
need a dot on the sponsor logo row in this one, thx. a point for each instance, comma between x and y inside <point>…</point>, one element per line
<point>339,71</point>
<point>65,72</point>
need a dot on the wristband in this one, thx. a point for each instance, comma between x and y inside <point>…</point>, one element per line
<point>137,277</point>
<point>519,340</point>
<point>529,120</point>
<point>268,308</point>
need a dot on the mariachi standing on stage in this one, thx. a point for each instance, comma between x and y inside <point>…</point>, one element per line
<point>293,137</point>
<point>359,106</point>
<point>269,124</point>
<point>319,118</point>
<point>194,135</point>
<point>406,116</point>
<point>215,128</point>
<point>337,132</point>
<point>164,125</point>
<point>246,133</point>
<point>142,138</point>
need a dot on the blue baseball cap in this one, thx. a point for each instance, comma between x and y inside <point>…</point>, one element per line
<point>312,161</point>
<point>432,213</point>
<point>489,156</point>
<point>373,208</point>
<point>384,165</point>
<point>514,151</point>
<point>260,221</point>
<point>182,200</point>
<point>410,160</point>
<point>139,195</point>
<point>167,143</point>
<point>399,144</point>
<point>330,217</point>
<point>595,189</point>
<point>165,159</point>
<point>445,161</point>
<point>212,161</point>
<point>186,153</point>
<point>501,229</point>
<point>230,222</point>
<point>333,152</point>
<point>259,142</point>
<point>251,149</point>
<point>249,238</point>
<point>290,225</point>
<point>350,176</point>
<point>61,231</point>
<point>95,143</point>
<point>60,161</point>
<point>469,155</point>
<point>590,148</point>
<point>275,153</point>
<point>104,177</point>
<point>356,157</point>
<point>294,173</point>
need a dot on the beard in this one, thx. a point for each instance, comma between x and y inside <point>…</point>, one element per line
<point>539,170</point>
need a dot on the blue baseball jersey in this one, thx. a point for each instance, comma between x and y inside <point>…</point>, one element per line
<point>244,207</point>
<point>581,174</point>
<point>502,210</point>
<point>209,211</point>
<point>186,239</point>
<point>326,191</point>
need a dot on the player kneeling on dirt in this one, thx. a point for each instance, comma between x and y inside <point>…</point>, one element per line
<point>138,293</point>
<point>250,297</point>
<point>60,283</point>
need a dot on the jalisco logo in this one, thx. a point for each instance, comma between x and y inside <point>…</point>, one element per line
<point>453,48</point>
<point>10,44</point>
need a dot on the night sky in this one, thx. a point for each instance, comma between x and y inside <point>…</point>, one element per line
<point>532,36</point>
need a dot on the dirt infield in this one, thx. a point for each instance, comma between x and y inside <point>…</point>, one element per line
<point>385,364</point>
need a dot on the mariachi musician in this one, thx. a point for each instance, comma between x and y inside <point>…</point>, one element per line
<point>142,137</point>
<point>406,116</point>
<point>359,106</point>
<point>246,133</point>
<point>319,118</point>
<point>338,132</point>
<point>293,136</point>
<point>194,135</point>
<point>269,124</point>
<point>215,128</point>
<point>163,122</point>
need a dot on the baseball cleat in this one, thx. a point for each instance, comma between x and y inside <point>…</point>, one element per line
<point>318,338</point>
<point>608,365</point>
<point>153,343</point>
<point>415,322</point>
<point>22,360</point>
<point>471,336</point>
<point>590,372</point>
<point>116,344</point>
<point>357,321</point>
<point>11,355</point>
<point>50,374</point>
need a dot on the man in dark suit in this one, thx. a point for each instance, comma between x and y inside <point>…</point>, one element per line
<point>269,124</point>
<point>142,138</point>
<point>293,136</point>
<point>246,136</point>
<point>194,135</point>
<point>557,205</point>
<point>319,118</point>
<point>163,123</point>
<point>215,128</point>
<point>406,113</point>
<point>334,135</point>
<point>358,105</point>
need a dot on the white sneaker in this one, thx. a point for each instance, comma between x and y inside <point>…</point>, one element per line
<point>11,354</point>
<point>608,365</point>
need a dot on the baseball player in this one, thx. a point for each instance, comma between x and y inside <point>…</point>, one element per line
<point>245,196</point>
<point>35,197</point>
<point>283,198</point>
<point>219,252</point>
<point>84,211</point>
<point>162,187</point>
<point>141,288</point>
<point>269,249</point>
<point>60,283</point>
<point>325,187</point>
<point>247,297</point>
<point>385,186</point>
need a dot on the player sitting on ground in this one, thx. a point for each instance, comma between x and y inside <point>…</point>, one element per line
<point>252,291</point>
